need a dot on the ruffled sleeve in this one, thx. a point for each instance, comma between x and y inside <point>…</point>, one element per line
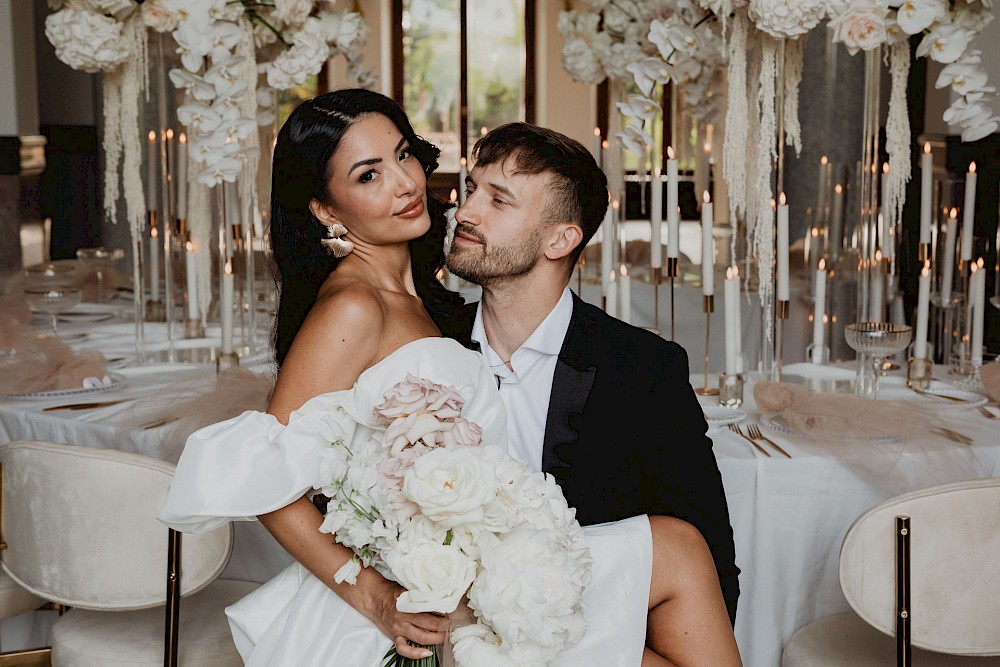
<point>252,464</point>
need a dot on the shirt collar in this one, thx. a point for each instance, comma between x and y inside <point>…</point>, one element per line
<point>548,336</point>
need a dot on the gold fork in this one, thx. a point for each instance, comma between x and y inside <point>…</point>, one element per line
<point>736,429</point>
<point>755,434</point>
<point>987,413</point>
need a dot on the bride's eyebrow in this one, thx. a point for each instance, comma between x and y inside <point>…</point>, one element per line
<point>375,160</point>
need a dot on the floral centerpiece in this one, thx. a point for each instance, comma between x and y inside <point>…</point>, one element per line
<point>429,505</point>
<point>232,53</point>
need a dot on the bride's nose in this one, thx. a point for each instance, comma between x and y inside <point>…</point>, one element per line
<point>405,184</point>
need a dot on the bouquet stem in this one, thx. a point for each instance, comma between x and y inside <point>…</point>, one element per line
<point>393,659</point>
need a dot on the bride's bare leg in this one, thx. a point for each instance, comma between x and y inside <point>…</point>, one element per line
<point>688,624</point>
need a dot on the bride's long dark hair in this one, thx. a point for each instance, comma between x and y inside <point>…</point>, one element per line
<point>301,171</point>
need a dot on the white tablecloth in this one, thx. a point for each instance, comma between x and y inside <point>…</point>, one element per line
<point>789,515</point>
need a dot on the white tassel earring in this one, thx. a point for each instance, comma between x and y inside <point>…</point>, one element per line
<point>335,245</point>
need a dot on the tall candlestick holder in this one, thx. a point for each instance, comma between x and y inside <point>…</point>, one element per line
<point>656,277</point>
<point>781,312</point>
<point>226,360</point>
<point>672,272</point>
<point>708,305</point>
<point>923,252</point>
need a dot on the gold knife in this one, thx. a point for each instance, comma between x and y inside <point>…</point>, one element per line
<point>85,406</point>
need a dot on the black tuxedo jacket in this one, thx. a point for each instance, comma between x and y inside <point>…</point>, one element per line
<point>625,434</point>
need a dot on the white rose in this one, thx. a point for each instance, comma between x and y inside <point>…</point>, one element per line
<point>478,645</point>
<point>862,27</point>
<point>451,486</point>
<point>581,62</point>
<point>157,17</point>
<point>786,18</point>
<point>435,576</point>
<point>461,433</point>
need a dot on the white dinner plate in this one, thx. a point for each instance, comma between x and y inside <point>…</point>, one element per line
<point>969,399</point>
<point>720,415</point>
<point>90,312</point>
<point>778,424</point>
<point>116,381</point>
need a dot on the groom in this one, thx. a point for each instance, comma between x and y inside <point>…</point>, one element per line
<point>605,407</point>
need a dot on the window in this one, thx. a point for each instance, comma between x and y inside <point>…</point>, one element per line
<point>460,66</point>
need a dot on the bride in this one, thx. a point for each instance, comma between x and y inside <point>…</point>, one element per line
<point>357,241</point>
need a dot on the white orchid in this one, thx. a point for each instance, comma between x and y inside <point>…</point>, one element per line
<point>648,72</point>
<point>192,84</point>
<point>194,42</point>
<point>671,37</point>
<point>914,16</point>
<point>639,106</point>
<point>964,76</point>
<point>635,139</point>
<point>945,43</point>
<point>223,169</point>
<point>200,117</point>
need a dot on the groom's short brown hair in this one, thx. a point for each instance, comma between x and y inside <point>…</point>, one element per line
<point>579,189</point>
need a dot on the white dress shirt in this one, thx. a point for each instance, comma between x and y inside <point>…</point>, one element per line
<point>525,390</point>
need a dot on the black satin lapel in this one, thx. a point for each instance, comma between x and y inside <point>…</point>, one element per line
<point>570,391</point>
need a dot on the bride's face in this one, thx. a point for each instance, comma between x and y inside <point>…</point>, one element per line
<point>377,188</point>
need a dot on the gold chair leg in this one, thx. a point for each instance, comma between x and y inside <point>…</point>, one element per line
<point>903,649</point>
<point>173,606</point>
<point>39,657</point>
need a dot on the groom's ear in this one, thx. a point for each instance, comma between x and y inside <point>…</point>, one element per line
<point>322,212</point>
<point>562,239</point>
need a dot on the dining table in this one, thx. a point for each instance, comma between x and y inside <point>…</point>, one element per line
<point>791,501</point>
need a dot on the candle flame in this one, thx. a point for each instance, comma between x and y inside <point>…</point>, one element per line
<point>189,246</point>
<point>154,232</point>
<point>670,152</point>
<point>878,255</point>
<point>483,131</point>
<point>705,197</point>
<point>975,267</point>
<point>462,161</point>
<point>772,203</point>
<point>953,213</point>
<point>825,319</point>
<point>980,263</point>
<point>170,133</point>
<point>815,232</point>
<point>874,167</point>
<point>611,276</point>
<point>839,188</point>
<point>972,167</point>
<point>782,199</point>
<point>823,160</point>
<point>183,138</point>
<point>926,271</point>
<point>597,131</point>
<point>885,167</point>
<point>152,136</point>
<point>615,204</point>
<point>707,147</point>
<point>229,267</point>
<point>729,273</point>
<point>453,197</point>
<point>604,145</point>
<point>656,173</point>
<point>822,265</point>
<point>624,271</point>
<point>927,147</point>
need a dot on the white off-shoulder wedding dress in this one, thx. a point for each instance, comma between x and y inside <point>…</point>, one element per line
<point>252,464</point>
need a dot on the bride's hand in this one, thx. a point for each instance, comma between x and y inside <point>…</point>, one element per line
<point>426,629</point>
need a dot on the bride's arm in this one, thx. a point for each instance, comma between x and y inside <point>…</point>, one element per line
<point>337,342</point>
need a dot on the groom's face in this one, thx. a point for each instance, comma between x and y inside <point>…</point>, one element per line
<point>499,228</point>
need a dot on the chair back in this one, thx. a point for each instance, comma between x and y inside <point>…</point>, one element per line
<point>80,527</point>
<point>954,567</point>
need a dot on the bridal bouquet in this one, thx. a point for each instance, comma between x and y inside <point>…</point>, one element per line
<point>430,506</point>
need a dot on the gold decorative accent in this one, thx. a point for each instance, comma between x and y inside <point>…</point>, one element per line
<point>781,312</point>
<point>173,609</point>
<point>39,657</point>
<point>903,648</point>
<point>672,265</point>
<point>656,275</point>
<point>708,303</point>
<point>924,252</point>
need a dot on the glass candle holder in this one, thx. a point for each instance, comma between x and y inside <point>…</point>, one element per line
<point>731,389</point>
<point>918,373</point>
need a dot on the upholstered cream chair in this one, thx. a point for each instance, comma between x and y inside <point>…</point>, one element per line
<point>920,569</point>
<point>80,529</point>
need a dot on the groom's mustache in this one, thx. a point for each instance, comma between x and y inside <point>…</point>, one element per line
<point>471,232</point>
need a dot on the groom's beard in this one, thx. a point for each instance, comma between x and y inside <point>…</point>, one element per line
<point>487,264</point>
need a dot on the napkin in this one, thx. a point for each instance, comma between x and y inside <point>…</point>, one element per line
<point>989,375</point>
<point>55,366</point>
<point>838,415</point>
